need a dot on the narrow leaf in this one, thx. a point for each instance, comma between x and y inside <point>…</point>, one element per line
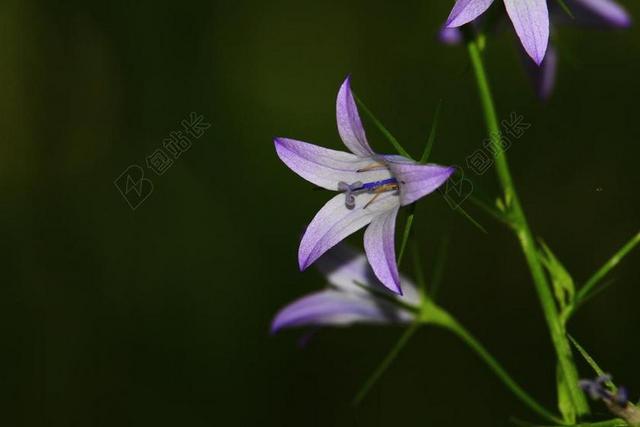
<point>383,130</point>
<point>596,368</point>
<point>438,267</point>
<point>612,262</point>
<point>406,233</point>
<point>465,214</point>
<point>386,362</point>
<point>497,214</point>
<point>418,271</point>
<point>591,295</point>
<point>432,134</point>
<point>566,9</point>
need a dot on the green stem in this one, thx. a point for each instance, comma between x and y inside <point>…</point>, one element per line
<point>521,228</point>
<point>608,266</point>
<point>436,315</point>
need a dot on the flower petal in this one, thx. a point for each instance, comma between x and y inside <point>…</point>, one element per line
<point>450,36</point>
<point>417,180</point>
<point>606,11</point>
<point>334,222</point>
<point>465,11</point>
<point>379,244</point>
<point>349,271</point>
<point>349,123</point>
<point>324,167</point>
<point>332,307</point>
<point>530,18</point>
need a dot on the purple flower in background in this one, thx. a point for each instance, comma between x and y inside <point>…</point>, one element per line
<point>597,13</point>
<point>530,18</point>
<point>372,189</point>
<point>354,296</point>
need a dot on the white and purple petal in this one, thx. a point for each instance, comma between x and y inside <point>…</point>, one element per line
<point>465,11</point>
<point>450,36</point>
<point>349,271</point>
<point>603,12</point>
<point>325,167</point>
<point>336,308</point>
<point>349,123</point>
<point>379,244</point>
<point>334,222</point>
<point>416,180</point>
<point>530,19</point>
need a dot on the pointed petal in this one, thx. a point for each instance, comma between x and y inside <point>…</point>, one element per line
<point>349,271</point>
<point>606,11</point>
<point>379,244</point>
<point>334,222</point>
<point>335,308</point>
<point>324,167</point>
<point>465,11</point>
<point>349,123</point>
<point>530,18</point>
<point>417,180</point>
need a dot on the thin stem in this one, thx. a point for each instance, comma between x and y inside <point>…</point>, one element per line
<point>406,233</point>
<point>521,228</point>
<point>382,367</point>
<point>452,325</point>
<point>612,262</point>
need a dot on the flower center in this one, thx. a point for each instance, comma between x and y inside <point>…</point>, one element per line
<point>375,187</point>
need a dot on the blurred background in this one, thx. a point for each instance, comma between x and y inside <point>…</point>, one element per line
<point>159,316</point>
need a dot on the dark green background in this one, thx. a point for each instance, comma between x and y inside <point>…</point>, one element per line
<point>160,316</point>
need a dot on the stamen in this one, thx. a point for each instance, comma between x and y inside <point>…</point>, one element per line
<point>373,166</point>
<point>372,200</point>
<point>377,187</point>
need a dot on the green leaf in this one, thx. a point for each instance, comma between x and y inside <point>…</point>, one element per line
<point>596,368</point>
<point>406,232</point>
<point>608,266</point>
<point>579,303</point>
<point>383,130</point>
<point>565,401</point>
<point>496,213</point>
<point>458,208</point>
<point>561,280</point>
<point>432,134</point>
<point>438,267</point>
<point>565,7</point>
<point>386,362</point>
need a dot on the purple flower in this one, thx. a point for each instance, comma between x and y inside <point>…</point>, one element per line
<point>600,13</point>
<point>530,18</point>
<point>372,188</point>
<point>354,296</point>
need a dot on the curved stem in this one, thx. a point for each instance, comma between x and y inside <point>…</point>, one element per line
<point>438,316</point>
<point>522,231</point>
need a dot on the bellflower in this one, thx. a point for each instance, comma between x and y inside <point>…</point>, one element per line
<point>598,13</point>
<point>372,188</point>
<point>530,18</point>
<point>354,296</point>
